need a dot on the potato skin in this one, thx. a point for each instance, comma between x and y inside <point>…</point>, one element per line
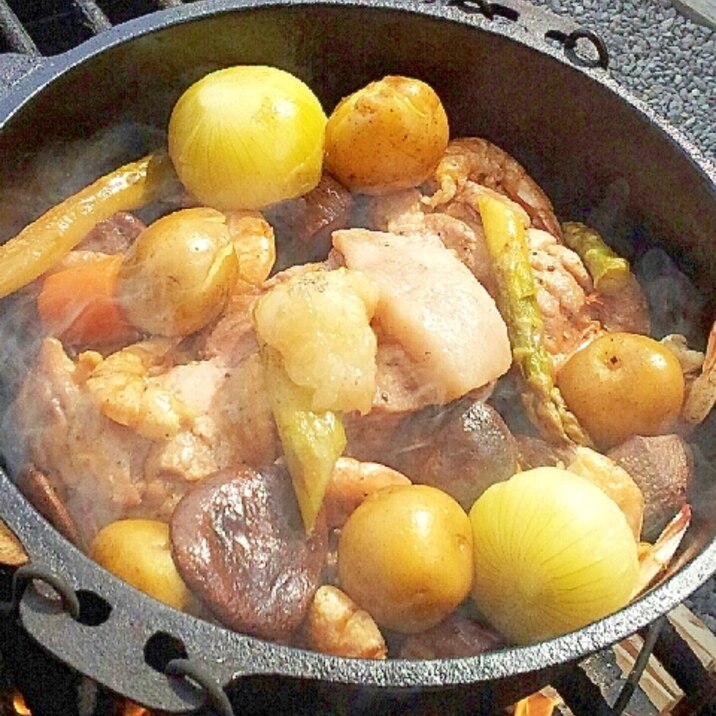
<point>621,385</point>
<point>405,556</point>
<point>138,551</point>
<point>389,135</point>
<point>179,272</point>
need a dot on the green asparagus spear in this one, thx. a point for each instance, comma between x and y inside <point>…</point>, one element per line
<point>506,243</point>
<point>312,441</point>
<point>609,271</point>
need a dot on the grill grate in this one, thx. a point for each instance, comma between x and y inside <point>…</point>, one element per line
<point>49,27</point>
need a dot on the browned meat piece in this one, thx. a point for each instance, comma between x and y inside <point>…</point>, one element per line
<point>304,225</point>
<point>101,436</point>
<point>113,236</point>
<point>535,452</point>
<point>456,637</point>
<point>457,225</point>
<point>232,338</point>
<point>38,488</point>
<point>337,625</point>
<point>461,448</point>
<point>238,542</point>
<point>563,286</point>
<point>626,310</point>
<point>663,469</point>
<point>370,437</point>
<point>476,161</point>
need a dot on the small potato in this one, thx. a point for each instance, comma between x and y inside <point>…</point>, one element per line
<point>405,556</point>
<point>179,272</point>
<point>621,385</point>
<point>139,552</point>
<point>389,135</point>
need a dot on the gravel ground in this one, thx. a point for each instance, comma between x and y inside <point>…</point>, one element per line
<point>665,58</point>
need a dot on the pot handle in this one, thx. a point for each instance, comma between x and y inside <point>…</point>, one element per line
<point>545,24</point>
<point>143,661</point>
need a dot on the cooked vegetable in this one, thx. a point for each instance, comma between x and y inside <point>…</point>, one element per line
<point>552,553</point>
<point>623,384</point>
<point>388,135</point>
<point>505,238</point>
<point>405,556</point>
<point>319,321</point>
<point>461,448</point>
<point>312,440</point>
<point>179,273</point>
<point>246,137</point>
<point>609,271</point>
<point>138,551</point>
<point>663,468</point>
<point>46,240</point>
<point>238,543</point>
<point>79,304</point>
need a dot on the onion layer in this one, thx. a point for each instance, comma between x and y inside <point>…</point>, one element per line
<point>246,137</point>
<point>552,554</point>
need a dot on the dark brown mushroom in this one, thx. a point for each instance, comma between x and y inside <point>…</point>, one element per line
<point>461,448</point>
<point>240,546</point>
<point>663,468</point>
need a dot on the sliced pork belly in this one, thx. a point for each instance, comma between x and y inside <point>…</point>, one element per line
<point>433,306</point>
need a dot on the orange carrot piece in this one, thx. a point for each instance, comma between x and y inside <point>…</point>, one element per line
<point>79,304</point>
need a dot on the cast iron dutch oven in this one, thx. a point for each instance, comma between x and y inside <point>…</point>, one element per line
<point>507,72</point>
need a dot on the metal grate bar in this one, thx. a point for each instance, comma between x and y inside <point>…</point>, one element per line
<point>97,20</point>
<point>13,31</point>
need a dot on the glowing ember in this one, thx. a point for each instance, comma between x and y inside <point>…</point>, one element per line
<point>19,705</point>
<point>538,704</point>
<point>129,708</point>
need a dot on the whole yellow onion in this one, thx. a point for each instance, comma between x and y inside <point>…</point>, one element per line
<point>552,554</point>
<point>246,137</point>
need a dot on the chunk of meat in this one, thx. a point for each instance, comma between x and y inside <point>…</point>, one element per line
<point>535,452</point>
<point>113,236</point>
<point>662,467</point>
<point>563,286</point>
<point>457,637</point>
<point>304,225</point>
<point>624,310</point>
<point>232,338</point>
<point>337,625</point>
<point>477,161</point>
<point>462,449</point>
<point>107,471</point>
<point>97,461</point>
<point>433,306</point>
<point>701,396</point>
<point>351,482</point>
<point>239,544</point>
<point>402,383</point>
<point>614,481</point>
<point>457,225</point>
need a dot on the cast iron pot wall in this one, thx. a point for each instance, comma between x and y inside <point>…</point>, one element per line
<point>574,129</point>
